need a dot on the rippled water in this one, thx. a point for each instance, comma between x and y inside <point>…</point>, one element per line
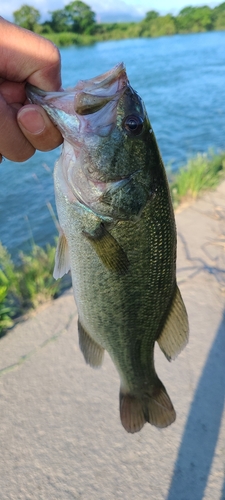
<point>182,82</point>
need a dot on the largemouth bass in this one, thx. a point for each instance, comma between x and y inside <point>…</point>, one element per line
<point>118,238</point>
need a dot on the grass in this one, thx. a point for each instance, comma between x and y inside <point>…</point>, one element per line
<point>202,172</point>
<point>26,286</point>
<point>68,39</point>
<point>29,284</point>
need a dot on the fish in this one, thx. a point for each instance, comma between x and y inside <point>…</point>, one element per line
<point>118,238</point>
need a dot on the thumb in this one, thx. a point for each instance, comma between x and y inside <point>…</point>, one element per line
<point>38,128</point>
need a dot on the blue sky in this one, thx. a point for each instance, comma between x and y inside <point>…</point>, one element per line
<point>107,10</point>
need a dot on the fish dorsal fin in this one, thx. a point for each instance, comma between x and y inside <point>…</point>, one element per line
<point>93,353</point>
<point>174,335</point>
<point>62,262</point>
<point>108,250</point>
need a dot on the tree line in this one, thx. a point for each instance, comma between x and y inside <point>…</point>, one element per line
<point>77,19</point>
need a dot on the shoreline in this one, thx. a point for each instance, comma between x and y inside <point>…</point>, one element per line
<point>65,39</point>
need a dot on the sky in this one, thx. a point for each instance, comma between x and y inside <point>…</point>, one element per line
<point>106,10</point>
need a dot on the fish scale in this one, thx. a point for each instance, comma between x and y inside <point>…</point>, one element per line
<point>118,238</point>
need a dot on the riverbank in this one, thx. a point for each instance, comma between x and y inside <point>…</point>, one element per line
<point>25,287</point>
<point>127,31</point>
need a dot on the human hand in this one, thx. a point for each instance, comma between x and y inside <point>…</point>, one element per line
<point>25,57</point>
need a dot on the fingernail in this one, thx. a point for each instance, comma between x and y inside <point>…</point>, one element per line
<point>31,120</point>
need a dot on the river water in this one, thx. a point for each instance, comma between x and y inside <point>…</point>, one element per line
<point>182,82</point>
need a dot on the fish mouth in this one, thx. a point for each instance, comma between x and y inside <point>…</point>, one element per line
<point>92,95</point>
<point>89,107</point>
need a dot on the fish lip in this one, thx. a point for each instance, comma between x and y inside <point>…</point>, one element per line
<point>104,80</point>
<point>91,87</point>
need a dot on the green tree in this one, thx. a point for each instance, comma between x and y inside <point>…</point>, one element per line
<point>219,17</point>
<point>77,17</point>
<point>59,21</point>
<point>27,17</point>
<point>151,15</point>
<point>155,25</point>
<point>193,19</point>
<point>80,16</point>
<point>163,25</point>
<point>220,9</point>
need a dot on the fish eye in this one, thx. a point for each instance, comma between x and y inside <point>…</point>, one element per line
<point>133,124</point>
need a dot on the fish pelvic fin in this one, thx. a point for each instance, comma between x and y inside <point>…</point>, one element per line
<point>62,261</point>
<point>154,407</point>
<point>108,250</point>
<point>175,333</point>
<point>93,353</point>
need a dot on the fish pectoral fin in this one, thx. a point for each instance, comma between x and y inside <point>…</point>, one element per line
<point>93,353</point>
<point>108,250</point>
<point>62,262</point>
<point>175,333</point>
<point>155,408</point>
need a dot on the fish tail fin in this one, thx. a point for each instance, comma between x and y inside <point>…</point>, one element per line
<point>154,407</point>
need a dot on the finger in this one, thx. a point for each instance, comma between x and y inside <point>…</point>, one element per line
<point>13,92</point>
<point>31,58</point>
<point>37,128</point>
<point>13,143</point>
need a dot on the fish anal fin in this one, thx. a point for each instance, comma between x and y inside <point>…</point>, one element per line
<point>62,262</point>
<point>154,407</point>
<point>108,250</point>
<point>93,353</point>
<point>174,335</point>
